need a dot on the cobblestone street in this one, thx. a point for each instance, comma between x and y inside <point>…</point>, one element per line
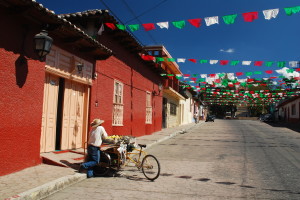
<point>225,159</point>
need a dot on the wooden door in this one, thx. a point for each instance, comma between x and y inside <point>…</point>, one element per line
<point>73,115</point>
<point>48,132</point>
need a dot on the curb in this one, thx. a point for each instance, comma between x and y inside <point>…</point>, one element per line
<point>50,188</point>
<point>47,189</point>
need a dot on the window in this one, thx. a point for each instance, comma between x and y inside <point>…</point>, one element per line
<point>173,108</point>
<point>293,109</point>
<point>118,104</point>
<point>148,108</point>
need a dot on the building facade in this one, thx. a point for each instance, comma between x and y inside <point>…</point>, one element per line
<point>171,107</point>
<point>125,92</point>
<point>36,92</point>
<point>289,110</point>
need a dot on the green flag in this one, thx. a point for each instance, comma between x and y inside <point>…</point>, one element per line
<point>269,63</point>
<point>248,73</point>
<point>281,64</point>
<point>171,59</point>
<point>121,26</point>
<point>292,10</point>
<point>179,24</point>
<point>234,62</point>
<point>159,59</point>
<point>229,19</point>
<point>257,72</point>
<point>134,27</point>
<point>290,70</point>
<point>203,61</point>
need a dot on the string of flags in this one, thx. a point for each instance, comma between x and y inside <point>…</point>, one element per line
<point>222,62</point>
<point>231,75</point>
<point>198,22</point>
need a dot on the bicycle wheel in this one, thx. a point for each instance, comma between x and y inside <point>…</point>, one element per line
<point>103,167</point>
<point>150,167</point>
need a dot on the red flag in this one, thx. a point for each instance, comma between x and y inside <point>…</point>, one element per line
<point>250,80</point>
<point>111,26</point>
<point>212,75</point>
<point>258,63</point>
<point>298,70</point>
<point>269,71</point>
<point>218,81</point>
<point>273,77</point>
<point>250,16</point>
<point>195,22</point>
<point>187,75</point>
<point>224,62</point>
<point>193,60</point>
<point>239,73</point>
<point>148,27</point>
<point>148,57</point>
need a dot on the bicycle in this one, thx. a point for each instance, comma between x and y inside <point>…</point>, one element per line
<point>123,155</point>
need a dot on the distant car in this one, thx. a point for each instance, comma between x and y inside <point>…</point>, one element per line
<point>210,118</point>
<point>267,118</point>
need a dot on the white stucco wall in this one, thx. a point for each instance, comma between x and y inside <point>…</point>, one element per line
<point>187,108</point>
<point>288,109</point>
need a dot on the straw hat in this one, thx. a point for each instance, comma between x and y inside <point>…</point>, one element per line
<point>96,122</point>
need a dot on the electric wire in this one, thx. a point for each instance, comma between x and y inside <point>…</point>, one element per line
<point>146,11</point>
<point>136,17</point>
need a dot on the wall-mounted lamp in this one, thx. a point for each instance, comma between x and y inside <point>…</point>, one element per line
<point>160,87</point>
<point>43,44</point>
<point>79,67</point>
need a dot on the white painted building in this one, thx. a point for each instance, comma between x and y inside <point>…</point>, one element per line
<point>289,110</point>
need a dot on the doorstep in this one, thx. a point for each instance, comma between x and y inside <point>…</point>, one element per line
<point>64,158</point>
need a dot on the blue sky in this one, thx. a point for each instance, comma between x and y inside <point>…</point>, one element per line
<point>263,40</point>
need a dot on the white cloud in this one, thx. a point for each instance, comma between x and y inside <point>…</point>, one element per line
<point>230,50</point>
<point>284,72</point>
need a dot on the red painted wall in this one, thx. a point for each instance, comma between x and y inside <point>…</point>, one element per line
<point>21,99</point>
<point>21,112</point>
<point>137,78</point>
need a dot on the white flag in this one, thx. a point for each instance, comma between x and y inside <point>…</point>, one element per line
<point>181,60</point>
<point>163,25</point>
<point>246,63</point>
<point>212,62</point>
<point>101,29</point>
<point>293,63</point>
<point>211,20</point>
<point>272,13</point>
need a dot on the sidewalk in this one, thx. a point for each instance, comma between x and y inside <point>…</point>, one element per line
<point>43,180</point>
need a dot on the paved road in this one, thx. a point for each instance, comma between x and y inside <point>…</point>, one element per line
<point>225,159</point>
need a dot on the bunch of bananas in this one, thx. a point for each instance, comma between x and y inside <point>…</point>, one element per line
<point>115,137</point>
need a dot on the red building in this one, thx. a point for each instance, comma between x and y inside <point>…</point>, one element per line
<point>36,96</point>
<point>126,92</point>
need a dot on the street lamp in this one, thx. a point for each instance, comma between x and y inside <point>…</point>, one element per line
<point>43,43</point>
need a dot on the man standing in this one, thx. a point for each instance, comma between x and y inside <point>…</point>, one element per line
<point>196,117</point>
<point>96,135</point>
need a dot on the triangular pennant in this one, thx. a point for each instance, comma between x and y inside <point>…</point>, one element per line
<point>195,22</point>
<point>111,26</point>
<point>121,26</point>
<point>272,13</point>
<point>292,10</point>
<point>149,27</point>
<point>134,27</point>
<point>163,25</point>
<point>179,24</point>
<point>229,19</point>
<point>250,16</point>
<point>211,20</point>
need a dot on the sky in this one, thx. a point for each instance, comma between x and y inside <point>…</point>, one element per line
<point>261,40</point>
